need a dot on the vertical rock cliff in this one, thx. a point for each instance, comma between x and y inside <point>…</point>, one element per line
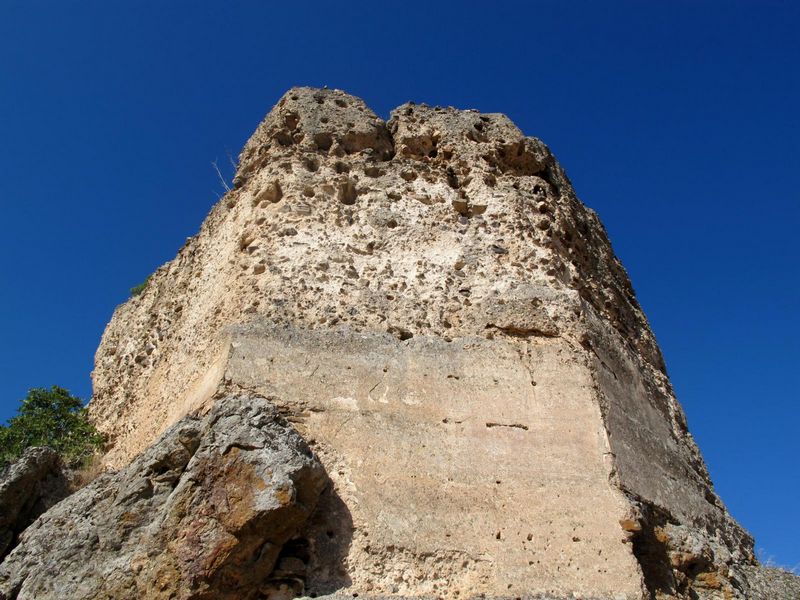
<point>446,324</point>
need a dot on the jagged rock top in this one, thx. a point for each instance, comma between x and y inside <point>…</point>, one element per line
<point>465,160</point>
<point>334,123</point>
<point>439,222</point>
<point>311,120</point>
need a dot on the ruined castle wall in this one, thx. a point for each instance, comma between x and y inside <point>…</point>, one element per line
<point>436,310</point>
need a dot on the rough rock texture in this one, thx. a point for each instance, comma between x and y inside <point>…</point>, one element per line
<point>442,318</point>
<point>324,232</point>
<point>206,512</point>
<point>28,487</point>
<point>768,583</point>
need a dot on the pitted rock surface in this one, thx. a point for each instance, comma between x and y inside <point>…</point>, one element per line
<point>415,226</point>
<point>203,513</point>
<point>437,311</point>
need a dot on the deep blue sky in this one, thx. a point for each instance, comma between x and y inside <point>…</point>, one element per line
<point>676,121</point>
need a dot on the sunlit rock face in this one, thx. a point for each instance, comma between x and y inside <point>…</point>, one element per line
<point>207,511</point>
<point>446,324</point>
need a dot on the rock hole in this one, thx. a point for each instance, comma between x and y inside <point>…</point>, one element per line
<point>245,241</point>
<point>347,193</point>
<point>400,333</point>
<point>291,120</point>
<point>452,178</point>
<point>323,141</point>
<point>284,138</point>
<point>341,103</point>
<point>272,192</point>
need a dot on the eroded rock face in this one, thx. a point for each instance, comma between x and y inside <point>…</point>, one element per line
<point>429,221</point>
<point>203,513</point>
<point>769,583</point>
<point>28,487</point>
<point>431,305</point>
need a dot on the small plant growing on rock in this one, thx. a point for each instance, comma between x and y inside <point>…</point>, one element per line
<point>51,417</point>
<point>138,289</point>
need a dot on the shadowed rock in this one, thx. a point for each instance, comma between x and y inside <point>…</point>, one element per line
<point>28,488</point>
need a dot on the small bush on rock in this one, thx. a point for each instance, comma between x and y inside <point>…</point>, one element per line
<point>136,290</point>
<point>51,418</point>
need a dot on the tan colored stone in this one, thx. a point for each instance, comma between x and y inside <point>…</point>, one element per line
<point>432,305</point>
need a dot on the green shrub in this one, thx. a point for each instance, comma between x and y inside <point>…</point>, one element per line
<point>136,290</point>
<point>51,418</point>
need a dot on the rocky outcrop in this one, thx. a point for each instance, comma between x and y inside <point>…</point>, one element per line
<point>438,222</point>
<point>431,306</point>
<point>770,583</point>
<point>209,511</point>
<point>28,487</point>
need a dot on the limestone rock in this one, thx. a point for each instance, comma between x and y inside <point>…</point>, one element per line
<point>203,513</point>
<point>769,583</point>
<point>28,487</point>
<point>431,305</point>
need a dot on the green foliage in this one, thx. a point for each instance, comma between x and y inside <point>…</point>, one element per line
<point>51,418</point>
<point>136,290</point>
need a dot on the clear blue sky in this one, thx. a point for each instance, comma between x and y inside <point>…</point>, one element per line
<point>677,121</point>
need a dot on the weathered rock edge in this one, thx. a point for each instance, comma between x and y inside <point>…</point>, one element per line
<point>28,487</point>
<point>203,513</point>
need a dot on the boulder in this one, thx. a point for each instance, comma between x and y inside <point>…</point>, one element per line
<point>28,487</point>
<point>203,513</point>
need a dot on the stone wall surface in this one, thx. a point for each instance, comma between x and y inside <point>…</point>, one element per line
<point>469,466</point>
<point>446,324</point>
